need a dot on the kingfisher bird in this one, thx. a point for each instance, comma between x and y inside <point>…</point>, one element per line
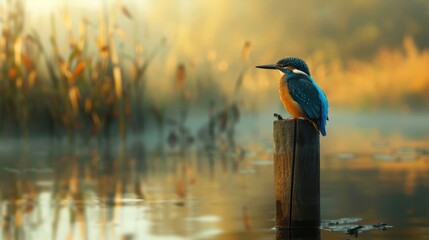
<point>299,93</point>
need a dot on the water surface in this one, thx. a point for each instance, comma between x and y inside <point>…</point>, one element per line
<point>373,167</point>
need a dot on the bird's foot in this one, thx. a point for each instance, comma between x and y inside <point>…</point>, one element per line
<point>278,116</point>
<point>295,118</point>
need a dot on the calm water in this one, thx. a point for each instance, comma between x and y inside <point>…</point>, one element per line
<point>374,167</point>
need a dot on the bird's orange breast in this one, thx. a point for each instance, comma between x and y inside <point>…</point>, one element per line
<point>291,105</point>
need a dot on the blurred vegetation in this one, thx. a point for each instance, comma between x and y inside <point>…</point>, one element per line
<point>392,80</point>
<point>66,89</point>
<point>343,30</point>
<point>100,74</point>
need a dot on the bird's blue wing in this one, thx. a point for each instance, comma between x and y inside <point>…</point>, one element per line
<point>305,93</point>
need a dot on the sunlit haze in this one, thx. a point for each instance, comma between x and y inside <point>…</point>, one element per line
<point>147,119</point>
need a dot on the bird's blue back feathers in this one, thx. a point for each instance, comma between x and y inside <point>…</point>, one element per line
<point>310,97</point>
<point>324,110</point>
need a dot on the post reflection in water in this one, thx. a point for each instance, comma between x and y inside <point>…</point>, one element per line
<point>298,234</point>
<point>134,193</point>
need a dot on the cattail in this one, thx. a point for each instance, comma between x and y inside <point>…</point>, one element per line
<point>126,12</point>
<point>245,51</point>
<point>180,75</point>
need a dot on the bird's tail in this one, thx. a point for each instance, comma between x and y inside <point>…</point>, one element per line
<point>319,127</point>
<point>323,130</point>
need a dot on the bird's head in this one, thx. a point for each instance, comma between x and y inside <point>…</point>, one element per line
<point>286,64</point>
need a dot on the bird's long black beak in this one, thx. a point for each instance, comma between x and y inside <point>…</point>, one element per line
<point>268,66</point>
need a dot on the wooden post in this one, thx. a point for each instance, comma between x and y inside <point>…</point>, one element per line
<point>296,174</point>
<point>298,234</point>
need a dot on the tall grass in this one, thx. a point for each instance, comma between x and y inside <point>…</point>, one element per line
<point>17,72</point>
<point>66,88</point>
<point>79,92</point>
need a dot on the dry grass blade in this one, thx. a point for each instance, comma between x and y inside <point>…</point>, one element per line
<point>74,98</point>
<point>78,70</point>
<point>126,12</point>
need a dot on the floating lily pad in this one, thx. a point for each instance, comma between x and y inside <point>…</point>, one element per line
<point>343,225</point>
<point>340,221</point>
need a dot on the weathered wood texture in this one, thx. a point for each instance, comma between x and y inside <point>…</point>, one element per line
<point>297,174</point>
<point>298,234</point>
